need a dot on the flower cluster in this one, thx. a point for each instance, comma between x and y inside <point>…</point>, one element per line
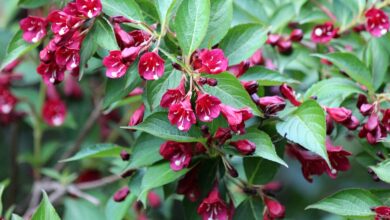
<point>284,44</point>
<point>377,22</point>
<point>180,154</point>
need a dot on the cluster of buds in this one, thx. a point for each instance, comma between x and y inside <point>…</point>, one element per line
<point>374,130</point>
<point>284,44</point>
<point>313,164</point>
<point>62,53</point>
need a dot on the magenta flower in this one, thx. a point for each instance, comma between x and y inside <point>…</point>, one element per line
<point>7,101</point>
<point>121,194</point>
<point>323,33</point>
<point>51,72</point>
<point>274,209</point>
<point>339,115</point>
<point>115,65</point>
<point>386,119</point>
<point>271,104</point>
<point>123,38</point>
<point>188,185</point>
<point>173,96</point>
<point>296,35</point>
<point>239,69</point>
<point>377,22</point>
<point>273,39</point>
<point>364,107</point>
<point>179,154</point>
<point>289,94</point>
<point>222,135</point>
<point>245,147</point>
<point>207,107</point>
<point>34,28</point>
<point>211,61</point>
<point>250,86</point>
<point>62,23</point>
<point>68,58</point>
<point>137,116</point>
<point>182,115</point>
<point>213,207</point>
<point>54,112</point>
<point>373,130</point>
<point>89,8</point>
<point>140,37</point>
<point>284,46</point>
<point>382,212</point>
<point>151,66</point>
<point>154,199</point>
<point>236,117</point>
<point>256,58</point>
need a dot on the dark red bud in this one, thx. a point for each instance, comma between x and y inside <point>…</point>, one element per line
<point>202,80</point>
<point>352,123</point>
<point>177,66</point>
<point>380,155</point>
<point>273,39</point>
<point>285,47</point>
<point>212,82</point>
<point>121,194</point>
<point>128,173</point>
<point>296,35</point>
<point>125,155</point>
<point>205,130</point>
<point>251,86</point>
<point>329,125</point>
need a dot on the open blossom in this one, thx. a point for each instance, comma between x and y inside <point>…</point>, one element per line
<point>7,101</point>
<point>207,107</point>
<point>377,22</point>
<point>271,104</point>
<point>373,130</point>
<point>115,65</point>
<point>173,96</point>
<point>137,116</point>
<point>323,33</point>
<point>210,61</point>
<point>182,115</point>
<point>386,119</point>
<point>54,112</point>
<point>188,186</point>
<point>273,208</point>
<point>151,66</point>
<point>179,154</point>
<point>382,212</point>
<point>236,117</point>
<point>68,58</point>
<point>289,94</point>
<point>89,8</point>
<point>213,207</point>
<point>62,23</point>
<point>51,72</point>
<point>245,147</point>
<point>34,28</point>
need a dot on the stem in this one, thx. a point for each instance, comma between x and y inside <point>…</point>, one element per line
<point>326,11</point>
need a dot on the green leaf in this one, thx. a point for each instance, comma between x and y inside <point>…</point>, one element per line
<point>17,47</point>
<point>76,209</point>
<point>332,92</point>
<point>157,88</point>
<point>282,16</point>
<point>45,210</point>
<point>259,170</point>
<point>116,89</point>
<point>159,175</point>
<point>164,9</point>
<point>349,202</point>
<point>32,3</point>
<point>382,170</point>
<point>249,11</point>
<point>88,48</point>
<point>16,217</point>
<point>264,146</point>
<point>146,151</point>
<point>377,58</point>
<point>3,185</point>
<point>96,151</point>
<point>266,77</point>
<point>349,63</point>
<point>250,209</point>
<point>306,126</point>
<point>118,210</point>
<point>230,91</point>
<point>129,9</point>
<point>103,34</point>
<point>192,19</point>
<point>242,41</point>
<point>221,16</point>
<point>158,125</point>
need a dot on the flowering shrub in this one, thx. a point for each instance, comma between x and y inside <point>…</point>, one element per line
<point>195,109</point>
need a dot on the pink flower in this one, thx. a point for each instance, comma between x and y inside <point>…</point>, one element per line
<point>182,115</point>
<point>151,66</point>
<point>222,135</point>
<point>239,69</point>
<point>323,33</point>
<point>123,38</point>
<point>51,72</point>
<point>245,147</point>
<point>256,59</point>
<point>364,107</point>
<point>271,104</point>
<point>188,185</point>
<point>207,107</point>
<point>62,23</point>
<point>339,115</point>
<point>250,86</point>
<point>382,212</point>
<point>173,96</point>
<point>373,130</point>
<point>137,116</point>
<point>211,61</point>
<point>121,194</point>
<point>377,22</point>
<point>115,65</point>
<point>68,58</point>
<point>89,8</point>
<point>34,28</point>
<point>154,199</point>
<point>273,209</point>
<point>213,207</point>
<point>7,101</point>
<point>179,154</point>
<point>273,39</point>
<point>54,112</point>
<point>140,37</point>
<point>289,94</point>
<point>236,117</point>
<point>386,119</point>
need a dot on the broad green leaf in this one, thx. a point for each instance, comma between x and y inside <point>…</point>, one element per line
<point>259,170</point>
<point>266,77</point>
<point>158,125</point>
<point>306,126</point>
<point>192,19</point>
<point>3,185</point>
<point>349,202</point>
<point>146,151</point>
<point>103,34</point>
<point>249,11</point>
<point>382,170</point>
<point>159,175</point>
<point>264,146</point>
<point>128,8</point>
<point>221,15</point>
<point>32,3</point>
<point>242,41</point>
<point>230,91</point>
<point>45,210</point>
<point>250,209</point>
<point>157,88</point>
<point>96,151</point>
<point>282,16</point>
<point>76,209</point>
<point>17,47</point>
<point>377,58</point>
<point>118,210</point>
<point>332,92</point>
<point>349,63</point>
<point>88,48</point>
<point>116,89</point>
<point>164,8</point>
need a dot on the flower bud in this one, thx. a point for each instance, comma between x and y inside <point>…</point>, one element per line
<point>125,155</point>
<point>251,86</point>
<point>245,147</point>
<point>339,115</point>
<point>271,104</point>
<point>289,94</point>
<point>212,82</point>
<point>273,39</point>
<point>285,47</point>
<point>154,199</point>
<point>296,35</point>
<point>121,194</point>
